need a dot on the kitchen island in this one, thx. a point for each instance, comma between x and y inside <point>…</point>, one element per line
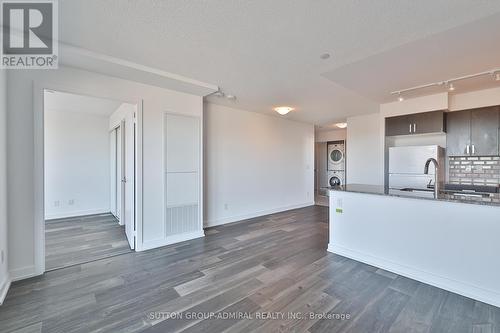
<point>439,241</point>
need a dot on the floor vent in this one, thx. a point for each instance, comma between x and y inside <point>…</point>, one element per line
<point>181,219</point>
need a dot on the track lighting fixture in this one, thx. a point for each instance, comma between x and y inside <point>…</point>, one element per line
<point>448,83</point>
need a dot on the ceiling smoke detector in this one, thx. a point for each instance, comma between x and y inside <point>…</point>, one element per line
<point>324,56</point>
<point>283,110</point>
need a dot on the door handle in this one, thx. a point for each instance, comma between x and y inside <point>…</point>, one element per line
<point>124,180</point>
<point>468,149</point>
<point>415,128</point>
<point>410,128</point>
<point>473,149</point>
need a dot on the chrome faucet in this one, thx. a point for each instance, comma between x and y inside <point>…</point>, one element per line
<point>426,171</point>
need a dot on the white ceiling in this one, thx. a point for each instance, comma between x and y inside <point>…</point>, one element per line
<point>66,102</point>
<point>468,49</point>
<point>267,52</point>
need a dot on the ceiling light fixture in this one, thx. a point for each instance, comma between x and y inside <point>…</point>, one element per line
<point>400,97</point>
<point>494,72</point>
<point>283,110</point>
<point>451,87</point>
<point>341,125</point>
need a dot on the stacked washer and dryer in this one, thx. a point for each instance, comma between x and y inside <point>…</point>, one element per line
<point>336,163</point>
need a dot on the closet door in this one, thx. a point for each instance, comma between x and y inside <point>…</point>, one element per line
<point>182,174</point>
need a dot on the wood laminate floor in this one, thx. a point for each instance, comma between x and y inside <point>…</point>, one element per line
<point>276,263</point>
<point>78,240</point>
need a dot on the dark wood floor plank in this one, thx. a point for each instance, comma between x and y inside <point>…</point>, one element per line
<point>269,264</point>
<point>77,240</point>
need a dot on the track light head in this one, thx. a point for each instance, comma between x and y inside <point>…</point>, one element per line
<point>451,87</point>
<point>400,97</point>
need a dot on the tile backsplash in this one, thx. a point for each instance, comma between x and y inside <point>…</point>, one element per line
<point>474,170</point>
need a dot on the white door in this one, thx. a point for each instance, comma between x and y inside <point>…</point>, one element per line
<point>128,177</point>
<point>119,175</point>
<point>113,172</point>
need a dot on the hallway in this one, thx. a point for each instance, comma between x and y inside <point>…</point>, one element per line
<point>83,239</point>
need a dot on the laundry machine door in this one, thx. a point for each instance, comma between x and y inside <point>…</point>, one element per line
<point>335,181</point>
<point>336,156</point>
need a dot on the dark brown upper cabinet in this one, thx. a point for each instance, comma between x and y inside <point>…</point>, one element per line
<point>473,132</point>
<point>458,133</point>
<point>418,123</point>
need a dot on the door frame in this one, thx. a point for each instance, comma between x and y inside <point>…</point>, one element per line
<point>39,164</point>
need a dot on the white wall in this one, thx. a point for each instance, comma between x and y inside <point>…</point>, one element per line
<point>4,276</point>
<point>21,149</point>
<point>333,135</point>
<point>364,150</point>
<point>255,164</point>
<point>77,164</point>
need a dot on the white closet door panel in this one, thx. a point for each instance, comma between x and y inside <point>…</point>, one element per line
<point>182,189</point>
<point>182,144</point>
<point>182,176</point>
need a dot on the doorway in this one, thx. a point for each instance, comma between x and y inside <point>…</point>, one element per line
<point>89,178</point>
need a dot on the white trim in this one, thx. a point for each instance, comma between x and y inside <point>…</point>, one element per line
<point>77,213</point>
<point>455,286</point>
<point>39,182</point>
<point>38,171</point>
<point>23,273</point>
<point>152,244</point>
<point>139,241</point>
<point>237,218</point>
<point>4,288</point>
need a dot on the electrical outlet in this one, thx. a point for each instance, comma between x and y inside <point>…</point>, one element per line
<point>57,203</point>
<point>71,202</point>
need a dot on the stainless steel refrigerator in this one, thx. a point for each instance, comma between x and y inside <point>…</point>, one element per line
<point>406,170</point>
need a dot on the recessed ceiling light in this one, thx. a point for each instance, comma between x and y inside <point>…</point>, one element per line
<point>341,125</point>
<point>324,56</point>
<point>283,110</point>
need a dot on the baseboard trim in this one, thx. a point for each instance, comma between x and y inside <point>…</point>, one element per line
<point>153,244</point>
<point>4,288</point>
<point>77,214</point>
<point>458,287</point>
<point>23,273</point>
<point>237,218</point>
